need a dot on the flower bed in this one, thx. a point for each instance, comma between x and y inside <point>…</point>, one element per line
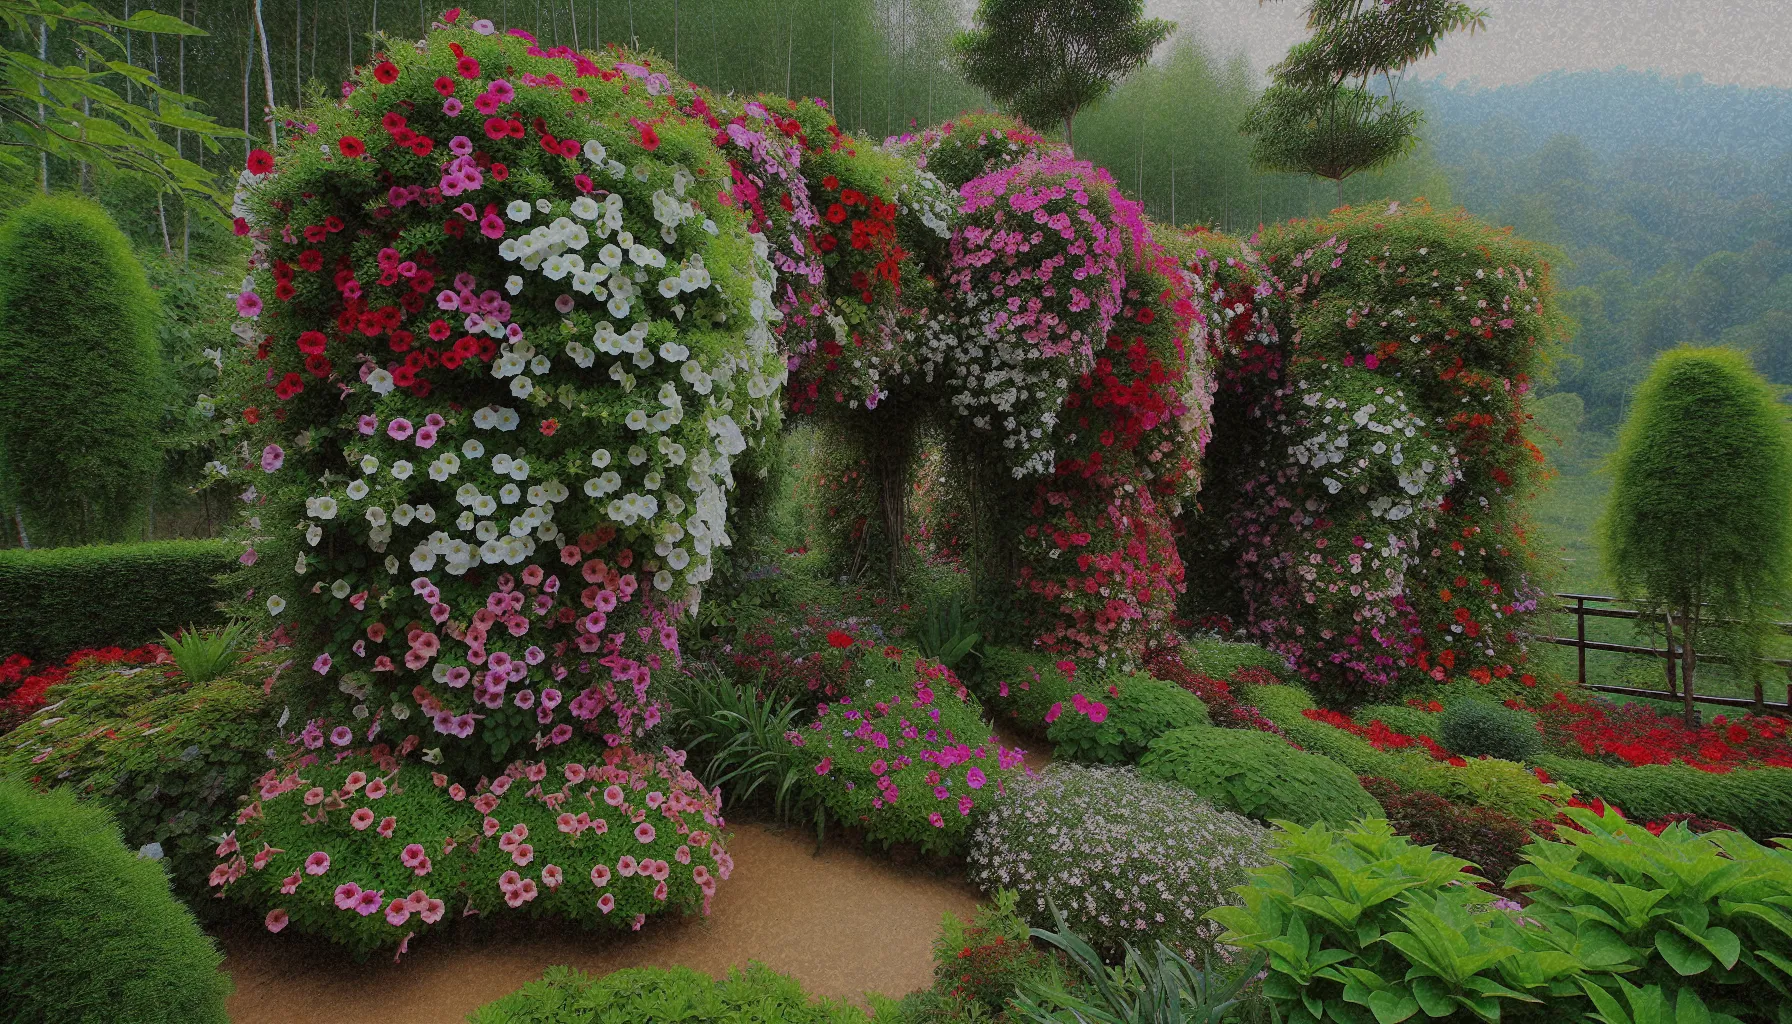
<point>24,685</point>
<point>1637,734</point>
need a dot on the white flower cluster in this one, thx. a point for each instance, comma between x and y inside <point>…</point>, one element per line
<point>1002,383</point>
<point>1366,444</point>
<point>1126,858</point>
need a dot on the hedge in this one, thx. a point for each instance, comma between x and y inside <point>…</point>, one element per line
<point>1260,776</point>
<point>88,930</point>
<point>59,600</point>
<point>1021,687</point>
<point>752,995</point>
<point>1218,659</point>
<point>1124,714</point>
<point>1757,802</point>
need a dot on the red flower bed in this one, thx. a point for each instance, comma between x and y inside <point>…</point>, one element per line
<point>1222,704</point>
<point>1637,734</point>
<point>25,688</point>
<point>1381,737</point>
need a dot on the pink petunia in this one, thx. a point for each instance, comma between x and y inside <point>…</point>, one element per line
<point>600,875</point>
<point>277,919</point>
<point>400,428</point>
<point>321,665</point>
<point>369,902</point>
<point>606,903</point>
<point>644,832</point>
<point>346,895</point>
<point>342,735</point>
<point>397,913</point>
<point>272,458</point>
<point>387,826</point>
<point>361,819</point>
<point>317,863</point>
<point>248,305</point>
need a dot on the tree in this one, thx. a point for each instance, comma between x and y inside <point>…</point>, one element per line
<point>1045,61</point>
<point>1698,531</point>
<point>74,113</point>
<point>1319,115</point>
<point>80,374</point>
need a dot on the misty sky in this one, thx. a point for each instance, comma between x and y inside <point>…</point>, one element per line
<point>1746,42</point>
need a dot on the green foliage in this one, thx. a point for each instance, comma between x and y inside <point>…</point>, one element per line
<point>74,112</point>
<point>946,634</point>
<point>1503,786</point>
<point>735,738</point>
<point>1698,523</point>
<point>985,961</point>
<point>1165,988</point>
<point>1402,718</point>
<point>1119,723</point>
<point>1758,801</point>
<point>1476,728</point>
<point>1046,62</point>
<point>1363,925</point>
<point>753,995</point>
<point>80,391</point>
<point>166,757</point>
<point>201,656</point>
<point>88,932</point>
<point>1259,775</point>
<point>1219,659</point>
<point>1319,115</point>
<point>63,599</point>
<point>1021,686</point>
<point>1707,916</point>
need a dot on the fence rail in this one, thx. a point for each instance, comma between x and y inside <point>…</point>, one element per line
<point>1671,655</point>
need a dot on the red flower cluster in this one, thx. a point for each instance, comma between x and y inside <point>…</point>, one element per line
<point>1222,703</point>
<point>25,689</point>
<point>1636,734</point>
<point>1381,737</point>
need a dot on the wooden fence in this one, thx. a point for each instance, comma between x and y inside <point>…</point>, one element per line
<point>1585,606</point>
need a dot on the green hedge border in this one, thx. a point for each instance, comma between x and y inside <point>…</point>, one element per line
<point>58,600</point>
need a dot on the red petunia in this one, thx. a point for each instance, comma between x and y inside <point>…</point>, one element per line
<point>423,145</point>
<point>318,365</point>
<point>385,73</point>
<point>548,426</point>
<point>468,67</point>
<point>351,147</point>
<point>260,161</point>
<point>445,85</point>
<point>650,139</point>
<point>840,639</point>
<point>311,260</point>
<point>836,213</point>
<point>500,172</point>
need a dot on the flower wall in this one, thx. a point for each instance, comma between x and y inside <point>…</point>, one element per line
<point>1372,374</point>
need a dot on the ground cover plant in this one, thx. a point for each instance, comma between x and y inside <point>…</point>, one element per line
<point>1259,775</point>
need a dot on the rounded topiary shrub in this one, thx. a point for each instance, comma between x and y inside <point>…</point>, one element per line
<point>1259,775</point>
<point>1474,728</point>
<point>79,373</point>
<point>1125,858</point>
<point>88,930</point>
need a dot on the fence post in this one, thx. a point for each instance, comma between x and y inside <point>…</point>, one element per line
<point>1668,624</point>
<point>1580,636</point>
<point>1760,698</point>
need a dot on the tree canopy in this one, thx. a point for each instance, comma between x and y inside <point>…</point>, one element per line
<point>1045,62</point>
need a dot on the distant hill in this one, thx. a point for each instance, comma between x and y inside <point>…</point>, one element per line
<point>1621,110</point>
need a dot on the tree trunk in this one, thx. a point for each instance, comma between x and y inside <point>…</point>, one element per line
<point>1068,143</point>
<point>267,74</point>
<point>43,117</point>
<point>1688,662</point>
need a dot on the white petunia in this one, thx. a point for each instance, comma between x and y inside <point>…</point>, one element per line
<point>380,381</point>
<point>518,210</point>
<point>357,489</point>
<point>594,151</point>
<point>501,464</point>
<point>276,604</point>
<point>369,464</point>
<point>513,284</point>
<point>600,458</point>
<point>522,387</point>
<point>401,469</point>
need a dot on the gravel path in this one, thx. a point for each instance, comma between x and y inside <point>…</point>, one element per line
<point>843,923</point>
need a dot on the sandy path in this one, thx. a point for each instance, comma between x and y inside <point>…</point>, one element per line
<point>843,923</point>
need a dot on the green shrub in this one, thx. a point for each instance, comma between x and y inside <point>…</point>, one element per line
<point>63,599</point>
<point>167,758</point>
<point>1363,925</point>
<point>1021,687</point>
<point>1127,858</point>
<point>1402,718</point>
<point>89,931</point>
<point>1504,786</point>
<point>1118,723</point>
<point>1486,838</point>
<point>985,961</point>
<point>1220,658</point>
<point>754,995</point>
<point>734,736</point>
<point>1259,775</point>
<point>905,756</point>
<point>1475,728</point>
<point>1758,801</point>
<point>1705,918</point>
<point>80,374</point>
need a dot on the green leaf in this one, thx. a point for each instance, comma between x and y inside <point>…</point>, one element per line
<point>1719,941</point>
<point>1392,1006</point>
<point>1682,954</point>
<point>1690,1009</point>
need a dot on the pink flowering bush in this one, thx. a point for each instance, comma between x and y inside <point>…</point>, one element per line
<point>369,851</point>
<point>1115,720</point>
<point>903,753</point>
<point>971,146</point>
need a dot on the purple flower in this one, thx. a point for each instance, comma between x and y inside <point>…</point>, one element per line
<point>272,458</point>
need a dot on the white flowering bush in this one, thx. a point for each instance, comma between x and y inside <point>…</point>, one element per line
<point>1126,858</point>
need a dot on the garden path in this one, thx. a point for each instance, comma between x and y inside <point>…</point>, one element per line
<point>843,923</point>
